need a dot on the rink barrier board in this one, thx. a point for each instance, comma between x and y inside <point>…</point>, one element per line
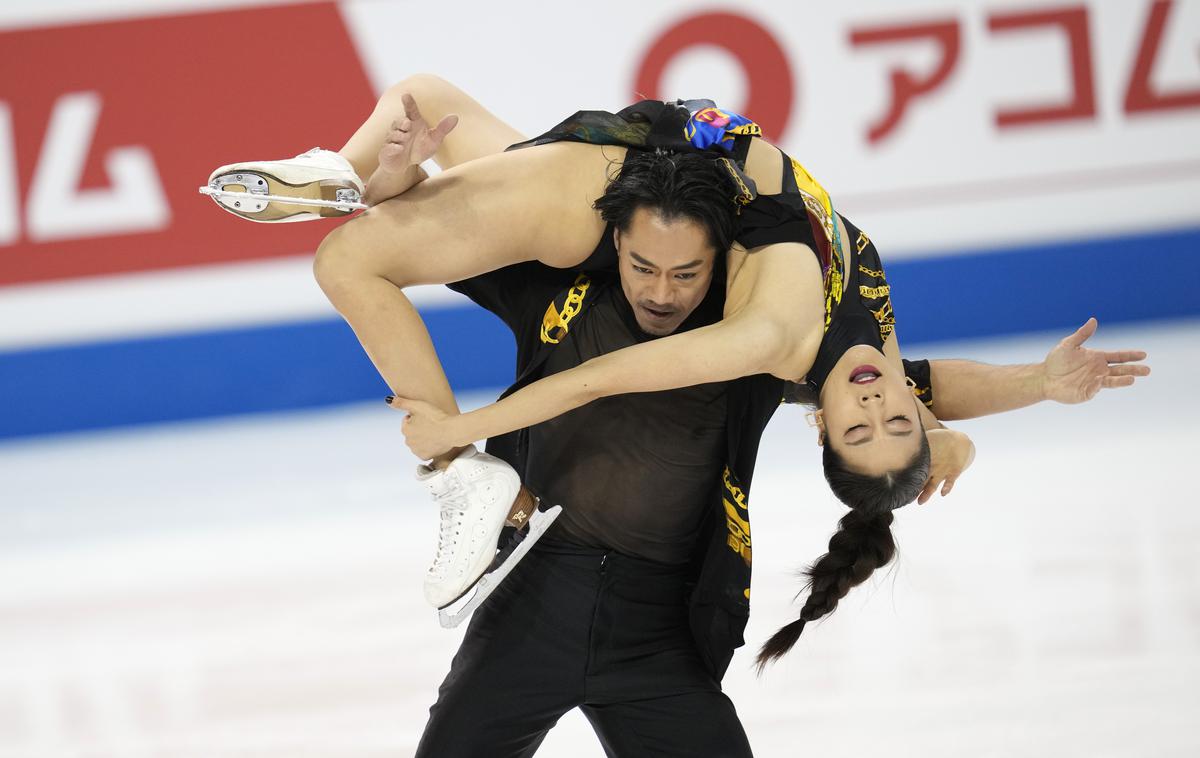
<point>318,363</point>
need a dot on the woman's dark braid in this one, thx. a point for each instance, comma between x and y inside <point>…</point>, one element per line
<point>861,545</point>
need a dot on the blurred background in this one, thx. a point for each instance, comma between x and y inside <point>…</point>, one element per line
<point>210,543</point>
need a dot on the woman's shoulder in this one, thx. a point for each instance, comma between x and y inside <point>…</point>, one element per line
<point>765,164</point>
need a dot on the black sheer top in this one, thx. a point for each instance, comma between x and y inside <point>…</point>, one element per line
<point>633,472</point>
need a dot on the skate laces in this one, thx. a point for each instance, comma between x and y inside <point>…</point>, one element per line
<point>452,503</point>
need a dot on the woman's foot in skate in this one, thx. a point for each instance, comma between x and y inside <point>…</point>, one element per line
<point>476,495</point>
<point>316,184</point>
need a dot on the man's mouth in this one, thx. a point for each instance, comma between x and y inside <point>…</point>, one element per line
<point>864,375</point>
<point>657,314</point>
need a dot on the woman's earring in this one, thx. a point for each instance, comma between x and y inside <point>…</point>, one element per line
<point>912,385</point>
<point>815,420</point>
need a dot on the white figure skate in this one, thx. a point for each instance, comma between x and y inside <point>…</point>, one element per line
<point>316,184</point>
<point>478,494</point>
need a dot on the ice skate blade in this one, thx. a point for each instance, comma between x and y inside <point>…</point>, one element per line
<point>454,613</point>
<point>258,196</point>
<point>339,204</point>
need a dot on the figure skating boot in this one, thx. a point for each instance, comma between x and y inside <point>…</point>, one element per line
<point>478,495</point>
<point>316,184</point>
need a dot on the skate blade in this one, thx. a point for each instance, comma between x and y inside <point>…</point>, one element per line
<point>454,613</point>
<point>259,196</point>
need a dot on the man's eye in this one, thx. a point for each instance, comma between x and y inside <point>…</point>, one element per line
<point>685,277</point>
<point>641,269</point>
<point>897,418</point>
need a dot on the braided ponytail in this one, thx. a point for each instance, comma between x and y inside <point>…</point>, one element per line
<point>862,543</point>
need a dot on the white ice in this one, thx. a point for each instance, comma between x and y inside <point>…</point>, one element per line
<point>251,588</point>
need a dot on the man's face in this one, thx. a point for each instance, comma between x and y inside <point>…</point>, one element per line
<point>666,268</point>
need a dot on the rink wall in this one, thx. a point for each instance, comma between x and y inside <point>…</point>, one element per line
<point>1021,166</point>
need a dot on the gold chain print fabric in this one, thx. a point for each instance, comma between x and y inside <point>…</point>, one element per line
<point>873,287</point>
<point>737,519</point>
<point>555,324</point>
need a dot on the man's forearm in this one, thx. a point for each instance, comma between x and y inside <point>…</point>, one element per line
<point>966,389</point>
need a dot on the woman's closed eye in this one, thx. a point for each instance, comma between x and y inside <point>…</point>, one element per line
<point>857,434</point>
<point>860,433</point>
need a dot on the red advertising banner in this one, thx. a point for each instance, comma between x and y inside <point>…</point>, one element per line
<point>107,130</point>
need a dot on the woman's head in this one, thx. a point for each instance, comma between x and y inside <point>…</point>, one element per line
<point>867,422</point>
<point>877,494</point>
<point>868,416</point>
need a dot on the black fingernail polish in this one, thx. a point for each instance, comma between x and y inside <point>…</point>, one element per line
<point>389,399</point>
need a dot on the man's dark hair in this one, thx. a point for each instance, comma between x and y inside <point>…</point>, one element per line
<point>694,186</point>
<point>862,543</point>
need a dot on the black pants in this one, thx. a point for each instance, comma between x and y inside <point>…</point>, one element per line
<point>579,627</point>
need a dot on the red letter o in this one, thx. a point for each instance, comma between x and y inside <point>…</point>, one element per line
<point>769,101</point>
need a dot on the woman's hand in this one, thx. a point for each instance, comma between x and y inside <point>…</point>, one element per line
<point>950,453</point>
<point>411,140</point>
<point>1073,373</point>
<point>428,430</point>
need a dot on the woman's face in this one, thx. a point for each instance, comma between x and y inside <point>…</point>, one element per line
<point>869,414</point>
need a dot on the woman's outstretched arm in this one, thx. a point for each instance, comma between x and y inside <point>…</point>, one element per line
<point>1070,373</point>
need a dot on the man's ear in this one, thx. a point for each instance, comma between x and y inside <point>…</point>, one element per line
<point>616,238</point>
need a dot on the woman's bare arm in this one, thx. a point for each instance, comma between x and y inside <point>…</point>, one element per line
<point>1071,373</point>
<point>741,345</point>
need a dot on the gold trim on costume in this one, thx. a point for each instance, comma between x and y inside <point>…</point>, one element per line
<point>555,325</point>
<point>737,518</point>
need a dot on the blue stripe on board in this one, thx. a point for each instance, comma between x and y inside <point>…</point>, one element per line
<point>319,363</point>
<point>297,365</point>
<point>1049,286</point>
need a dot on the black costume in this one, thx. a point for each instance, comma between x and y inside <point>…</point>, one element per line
<point>579,622</point>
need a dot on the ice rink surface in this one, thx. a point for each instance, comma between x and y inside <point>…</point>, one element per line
<point>250,588</point>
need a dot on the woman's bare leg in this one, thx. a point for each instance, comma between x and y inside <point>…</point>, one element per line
<point>494,211</point>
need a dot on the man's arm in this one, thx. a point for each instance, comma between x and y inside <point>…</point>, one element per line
<point>1070,373</point>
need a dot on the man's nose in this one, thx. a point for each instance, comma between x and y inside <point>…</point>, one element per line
<point>660,293</point>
